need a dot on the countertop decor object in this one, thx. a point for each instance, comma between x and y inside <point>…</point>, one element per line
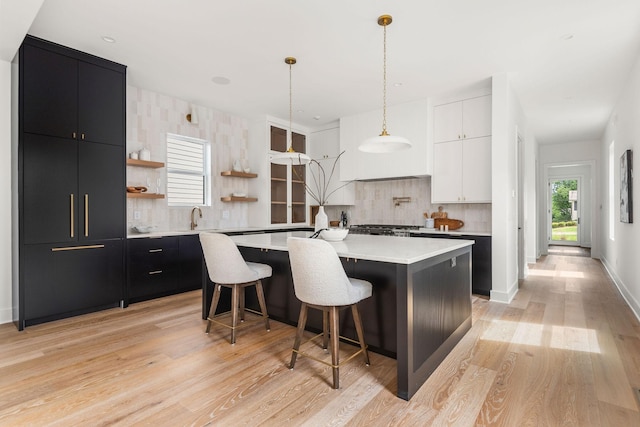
<point>320,191</point>
<point>144,229</point>
<point>334,234</point>
<point>290,157</point>
<point>453,224</point>
<point>384,143</point>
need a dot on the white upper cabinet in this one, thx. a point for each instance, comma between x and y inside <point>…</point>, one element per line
<point>470,118</point>
<point>324,147</point>
<point>462,151</point>
<point>408,120</point>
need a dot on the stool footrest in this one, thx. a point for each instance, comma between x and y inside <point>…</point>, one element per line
<point>354,354</point>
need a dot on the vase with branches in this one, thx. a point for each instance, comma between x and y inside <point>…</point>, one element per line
<point>319,186</point>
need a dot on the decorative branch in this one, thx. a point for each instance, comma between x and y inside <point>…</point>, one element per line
<point>321,192</point>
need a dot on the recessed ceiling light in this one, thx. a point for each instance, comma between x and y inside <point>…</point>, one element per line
<point>316,117</point>
<point>567,36</point>
<point>108,39</point>
<point>221,80</point>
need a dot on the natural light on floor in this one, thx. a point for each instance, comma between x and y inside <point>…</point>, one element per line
<point>554,273</point>
<point>560,337</point>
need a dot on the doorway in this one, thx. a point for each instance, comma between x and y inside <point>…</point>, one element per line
<point>564,211</point>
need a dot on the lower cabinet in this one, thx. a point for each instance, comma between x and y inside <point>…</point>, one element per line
<point>67,280</point>
<point>480,260</point>
<point>163,266</point>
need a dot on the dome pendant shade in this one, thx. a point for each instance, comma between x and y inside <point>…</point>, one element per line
<point>384,143</point>
<point>290,157</point>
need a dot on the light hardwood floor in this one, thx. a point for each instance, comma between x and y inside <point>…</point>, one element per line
<point>566,351</point>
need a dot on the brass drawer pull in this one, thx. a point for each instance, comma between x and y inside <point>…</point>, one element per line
<point>154,250</point>
<point>86,215</point>
<point>72,219</point>
<point>77,248</point>
<point>155,272</point>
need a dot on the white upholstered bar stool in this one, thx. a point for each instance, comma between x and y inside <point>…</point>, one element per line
<point>320,282</point>
<point>228,268</point>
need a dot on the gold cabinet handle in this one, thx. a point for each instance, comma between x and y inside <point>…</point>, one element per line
<point>86,215</point>
<point>155,272</point>
<point>77,248</point>
<point>72,218</point>
<point>82,136</point>
<point>154,250</point>
<point>73,135</point>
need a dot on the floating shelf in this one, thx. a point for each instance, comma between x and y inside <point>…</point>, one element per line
<point>239,174</point>
<point>144,163</point>
<point>144,196</point>
<point>238,199</point>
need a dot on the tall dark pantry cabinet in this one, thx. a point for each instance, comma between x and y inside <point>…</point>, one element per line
<point>71,182</point>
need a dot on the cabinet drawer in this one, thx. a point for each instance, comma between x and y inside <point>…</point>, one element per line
<point>150,245</point>
<point>163,259</point>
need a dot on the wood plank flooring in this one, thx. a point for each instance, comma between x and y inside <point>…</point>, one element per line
<point>566,351</point>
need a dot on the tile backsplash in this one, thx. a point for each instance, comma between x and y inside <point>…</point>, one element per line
<point>375,205</point>
<point>150,116</point>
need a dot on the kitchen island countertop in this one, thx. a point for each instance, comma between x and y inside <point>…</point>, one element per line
<point>398,250</point>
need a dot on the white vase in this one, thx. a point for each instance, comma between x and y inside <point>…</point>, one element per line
<point>322,221</point>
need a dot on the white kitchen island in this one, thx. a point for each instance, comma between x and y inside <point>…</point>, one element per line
<point>421,302</point>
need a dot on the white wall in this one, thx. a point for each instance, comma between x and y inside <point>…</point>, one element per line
<point>5,192</point>
<point>620,255</point>
<point>531,155</point>
<point>508,121</point>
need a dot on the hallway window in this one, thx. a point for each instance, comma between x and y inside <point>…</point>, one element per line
<point>612,201</point>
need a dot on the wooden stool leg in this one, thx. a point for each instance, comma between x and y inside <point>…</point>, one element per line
<point>263,304</point>
<point>334,320</point>
<point>358,321</point>
<point>325,329</point>
<point>241,302</point>
<point>235,291</point>
<point>302,320</point>
<point>214,304</point>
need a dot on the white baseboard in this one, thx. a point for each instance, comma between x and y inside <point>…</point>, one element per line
<point>505,297</point>
<point>633,304</point>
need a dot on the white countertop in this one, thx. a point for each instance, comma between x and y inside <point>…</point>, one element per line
<point>451,233</point>
<point>160,233</point>
<point>398,250</point>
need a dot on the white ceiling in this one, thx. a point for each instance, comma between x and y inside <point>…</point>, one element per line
<point>568,59</point>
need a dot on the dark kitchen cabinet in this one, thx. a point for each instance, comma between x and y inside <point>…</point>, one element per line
<point>71,279</point>
<point>71,180</point>
<point>161,266</point>
<point>480,259</point>
<point>71,94</point>
<point>73,192</point>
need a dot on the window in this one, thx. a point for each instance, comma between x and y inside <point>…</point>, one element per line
<point>188,170</point>
<point>611,193</point>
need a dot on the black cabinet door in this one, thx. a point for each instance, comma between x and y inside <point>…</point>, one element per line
<point>101,191</point>
<point>101,103</point>
<point>190,262</point>
<point>49,189</point>
<point>49,84</point>
<point>58,282</point>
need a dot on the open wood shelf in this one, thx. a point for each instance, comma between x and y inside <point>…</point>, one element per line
<point>144,196</point>
<point>239,174</point>
<point>144,163</point>
<point>238,199</point>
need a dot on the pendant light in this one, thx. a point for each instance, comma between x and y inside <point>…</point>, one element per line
<point>290,157</point>
<point>384,143</point>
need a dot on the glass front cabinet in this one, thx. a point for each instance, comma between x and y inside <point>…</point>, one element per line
<point>288,195</point>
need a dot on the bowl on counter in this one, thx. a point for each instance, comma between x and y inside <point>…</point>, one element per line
<point>144,228</point>
<point>334,234</point>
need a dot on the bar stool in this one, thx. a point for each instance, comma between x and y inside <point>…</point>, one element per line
<point>320,282</point>
<point>228,268</point>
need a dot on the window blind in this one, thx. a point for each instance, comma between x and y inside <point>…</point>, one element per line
<point>187,171</point>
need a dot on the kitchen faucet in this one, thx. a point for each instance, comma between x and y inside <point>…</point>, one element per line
<point>194,222</point>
